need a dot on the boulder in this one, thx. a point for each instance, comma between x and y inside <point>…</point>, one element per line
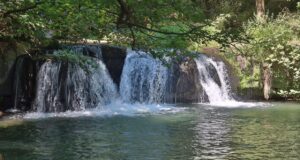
<point>185,83</point>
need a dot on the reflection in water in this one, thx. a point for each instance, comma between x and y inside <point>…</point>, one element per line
<point>212,135</point>
<point>200,132</point>
<point>266,134</point>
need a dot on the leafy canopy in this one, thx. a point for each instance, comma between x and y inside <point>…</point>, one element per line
<point>151,23</point>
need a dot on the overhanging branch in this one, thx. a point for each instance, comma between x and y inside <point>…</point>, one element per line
<point>165,32</point>
<point>27,8</point>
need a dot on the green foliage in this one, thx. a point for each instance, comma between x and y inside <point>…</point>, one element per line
<point>289,94</point>
<point>85,62</point>
<point>67,19</point>
<point>276,42</point>
<point>160,24</point>
<point>250,78</point>
<point>153,24</point>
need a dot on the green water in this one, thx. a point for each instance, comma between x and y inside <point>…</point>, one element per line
<point>198,132</point>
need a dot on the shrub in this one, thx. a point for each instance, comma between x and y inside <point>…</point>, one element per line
<point>277,42</point>
<point>70,56</point>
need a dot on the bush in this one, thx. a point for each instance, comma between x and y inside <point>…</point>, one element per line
<point>70,56</point>
<point>275,41</point>
<point>289,94</point>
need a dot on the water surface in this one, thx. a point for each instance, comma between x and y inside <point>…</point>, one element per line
<point>193,131</point>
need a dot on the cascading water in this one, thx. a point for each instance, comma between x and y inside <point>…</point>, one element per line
<point>65,86</point>
<point>148,80</point>
<point>213,78</point>
<point>143,79</point>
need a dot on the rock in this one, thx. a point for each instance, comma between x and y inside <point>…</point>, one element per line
<point>114,59</point>
<point>185,84</point>
<point>92,51</point>
<point>6,103</point>
<point>214,74</point>
<point>9,51</point>
<point>26,70</point>
<point>24,82</point>
<point>5,123</point>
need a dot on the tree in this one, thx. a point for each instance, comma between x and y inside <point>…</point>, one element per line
<point>266,70</point>
<point>260,9</point>
<point>274,46</point>
<point>117,21</point>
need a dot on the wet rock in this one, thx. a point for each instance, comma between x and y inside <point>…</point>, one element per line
<point>114,58</point>
<point>214,74</point>
<point>232,77</point>
<point>9,51</point>
<point>6,103</point>
<point>187,88</point>
<point>24,82</point>
<point>66,84</point>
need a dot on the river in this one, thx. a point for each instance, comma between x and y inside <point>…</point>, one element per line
<point>181,131</point>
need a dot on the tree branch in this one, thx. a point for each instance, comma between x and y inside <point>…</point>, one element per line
<point>165,32</point>
<point>133,38</point>
<point>124,15</point>
<point>125,18</point>
<point>151,36</point>
<point>7,13</point>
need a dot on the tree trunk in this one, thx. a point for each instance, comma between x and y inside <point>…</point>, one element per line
<point>267,80</point>
<point>1,157</point>
<point>260,9</point>
<point>266,69</point>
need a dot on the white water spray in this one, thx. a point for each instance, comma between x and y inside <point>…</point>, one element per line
<point>210,72</point>
<point>69,87</point>
<point>143,79</point>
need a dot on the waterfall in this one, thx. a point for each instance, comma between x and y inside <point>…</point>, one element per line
<point>60,85</point>
<point>143,79</point>
<point>213,78</point>
<point>147,80</point>
<point>65,86</point>
<point>17,82</point>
